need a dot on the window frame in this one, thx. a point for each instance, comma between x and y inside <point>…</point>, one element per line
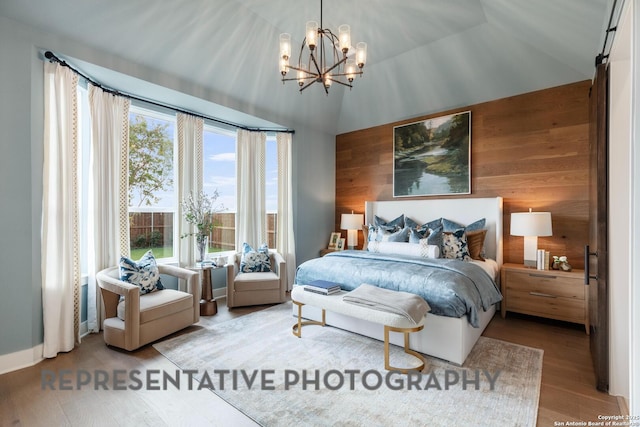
<point>170,116</point>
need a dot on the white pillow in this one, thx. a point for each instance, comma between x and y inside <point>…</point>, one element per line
<point>422,249</point>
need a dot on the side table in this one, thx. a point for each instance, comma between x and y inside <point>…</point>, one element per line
<point>323,252</point>
<point>208,305</point>
<point>553,294</point>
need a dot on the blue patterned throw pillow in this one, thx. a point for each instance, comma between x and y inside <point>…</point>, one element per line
<point>454,245</point>
<point>144,273</point>
<point>393,225</point>
<point>453,226</point>
<point>384,235</point>
<point>253,261</point>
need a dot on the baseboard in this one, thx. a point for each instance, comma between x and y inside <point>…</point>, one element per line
<point>20,359</point>
<point>622,404</point>
<point>220,292</point>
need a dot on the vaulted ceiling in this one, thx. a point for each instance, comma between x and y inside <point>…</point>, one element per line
<point>424,56</point>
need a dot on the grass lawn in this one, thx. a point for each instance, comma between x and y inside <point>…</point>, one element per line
<point>161,252</point>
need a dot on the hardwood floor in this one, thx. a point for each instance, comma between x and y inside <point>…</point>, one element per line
<point>567,392</point>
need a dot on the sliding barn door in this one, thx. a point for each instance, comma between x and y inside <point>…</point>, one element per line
<point>596,254</point>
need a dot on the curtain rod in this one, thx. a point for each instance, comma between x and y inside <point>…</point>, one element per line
<point>53,58</point>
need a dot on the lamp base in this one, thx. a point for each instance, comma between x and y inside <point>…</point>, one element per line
<point>530,251</point>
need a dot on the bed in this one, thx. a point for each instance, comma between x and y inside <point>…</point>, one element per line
<point>454,325</point>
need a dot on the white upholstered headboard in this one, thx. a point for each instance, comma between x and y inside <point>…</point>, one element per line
<point>463,211</point>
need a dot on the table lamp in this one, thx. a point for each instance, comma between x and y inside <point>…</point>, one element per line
<point>531,225</point>
<point>352,223</point>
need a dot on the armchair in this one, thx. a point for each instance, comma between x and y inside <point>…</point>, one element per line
<point>146,318</point>
<point>256,288</point>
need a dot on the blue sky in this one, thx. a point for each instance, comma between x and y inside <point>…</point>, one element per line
<point>219,168</point>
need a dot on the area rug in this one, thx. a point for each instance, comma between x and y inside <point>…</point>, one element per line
<point>331,377</point>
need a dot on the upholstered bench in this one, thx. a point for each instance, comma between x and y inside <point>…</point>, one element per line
<point>334,303</point>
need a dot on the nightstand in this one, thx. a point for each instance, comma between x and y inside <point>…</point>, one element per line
<point>552,294</point>
<point>323,252</point>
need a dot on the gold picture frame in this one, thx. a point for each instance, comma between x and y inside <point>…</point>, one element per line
<point>334,240</point>
<point>432,157</point>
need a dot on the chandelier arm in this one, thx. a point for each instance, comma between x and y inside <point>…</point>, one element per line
<point>341,83</point>
<point>337,64</point>
<point>297,79</point>
<point>300,69</point>
<point>307,85</point>
<point>315,64</point>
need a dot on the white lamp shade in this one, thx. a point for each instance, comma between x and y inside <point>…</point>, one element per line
<point>351,221</point>
<point>531,224</point>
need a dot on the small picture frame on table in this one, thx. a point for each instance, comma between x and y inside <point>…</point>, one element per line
<point>334,240</point>
<point>341,244</point>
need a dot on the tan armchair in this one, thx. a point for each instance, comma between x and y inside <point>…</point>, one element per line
<point>148,317</point>
<point>256,288</point>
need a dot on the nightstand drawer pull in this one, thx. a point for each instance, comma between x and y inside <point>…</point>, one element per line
<point>543,275</point>
<point>540,294</point>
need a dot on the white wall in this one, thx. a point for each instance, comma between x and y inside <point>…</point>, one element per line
<point>21,112</point>
<point>621,228</point>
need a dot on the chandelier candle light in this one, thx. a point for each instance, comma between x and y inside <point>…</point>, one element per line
<point>330,58</point>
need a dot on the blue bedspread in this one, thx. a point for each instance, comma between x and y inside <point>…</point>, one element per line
<point>452,288</point>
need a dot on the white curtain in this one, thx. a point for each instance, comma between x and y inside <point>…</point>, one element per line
<point>60,212</point>
<point>285,241</point>
<point>190,176</point>
<point>108,220</point>
<point>250,172</point>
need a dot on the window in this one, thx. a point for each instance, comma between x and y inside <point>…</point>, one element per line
<point>152,176</point>
<point>271,182</point>
<point>219,173</point>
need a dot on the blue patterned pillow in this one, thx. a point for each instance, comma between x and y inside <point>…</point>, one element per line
<point>253,261</point>
<point>393,225</point>
<point>433,235</point>
<point>454,245</point>
<point>396,236</point>
<point>408,222</point>
<point>453,226</point>
<point>144,273</point>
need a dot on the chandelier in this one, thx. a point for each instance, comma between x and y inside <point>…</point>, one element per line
<point>330,58</point>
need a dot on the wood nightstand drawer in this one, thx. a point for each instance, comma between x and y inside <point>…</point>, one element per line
<point>550,285</point>
<point>539,304</point>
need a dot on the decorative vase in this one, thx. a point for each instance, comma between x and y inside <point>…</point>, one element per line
<point>202,245</point>
<point>565,266</point>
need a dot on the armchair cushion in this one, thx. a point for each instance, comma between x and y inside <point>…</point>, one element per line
<point>253,261</point>
<point>159,304</point>
<point>144,273</point>
<point>256,281</point>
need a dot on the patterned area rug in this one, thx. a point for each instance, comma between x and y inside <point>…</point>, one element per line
<point>331,377</point>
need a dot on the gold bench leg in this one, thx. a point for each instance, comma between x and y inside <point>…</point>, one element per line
<point>297,328</point>
<point>406,332</point>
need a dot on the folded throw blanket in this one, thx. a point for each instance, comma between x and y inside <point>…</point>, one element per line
<point>411,306</point>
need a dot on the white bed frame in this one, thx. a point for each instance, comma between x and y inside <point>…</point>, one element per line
<point>443,337</point>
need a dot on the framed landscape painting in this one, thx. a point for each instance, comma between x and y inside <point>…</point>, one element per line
<point>433,157</point>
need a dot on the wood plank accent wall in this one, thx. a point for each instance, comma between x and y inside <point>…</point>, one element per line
<point>531,149</point>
